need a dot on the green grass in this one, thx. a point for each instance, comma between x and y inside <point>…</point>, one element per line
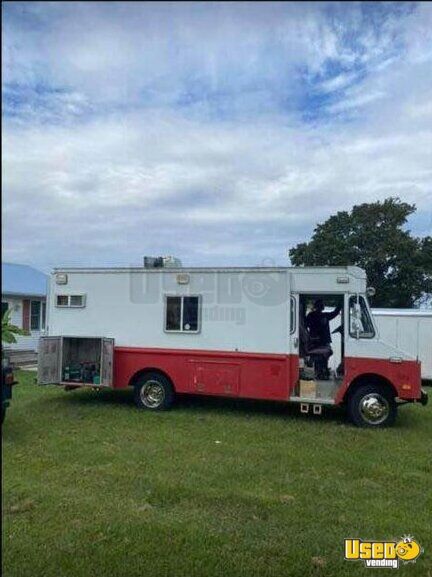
<point>94,487</point>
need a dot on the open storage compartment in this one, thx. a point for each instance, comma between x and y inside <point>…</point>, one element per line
<point>76,361</point>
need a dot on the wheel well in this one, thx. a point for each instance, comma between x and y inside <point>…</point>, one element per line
<point>370,379</point>
<point>147,370</point>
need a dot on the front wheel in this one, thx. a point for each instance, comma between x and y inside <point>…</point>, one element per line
<point>153,391</point>
<point>372,406</point>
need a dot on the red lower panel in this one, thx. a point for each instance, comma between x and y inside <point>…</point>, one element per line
<point>404,376</point>
<point>249,375</point>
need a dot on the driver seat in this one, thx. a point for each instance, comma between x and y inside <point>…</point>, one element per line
<point>314,355</point>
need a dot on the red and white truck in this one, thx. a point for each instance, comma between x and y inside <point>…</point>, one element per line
<point>236,332</point>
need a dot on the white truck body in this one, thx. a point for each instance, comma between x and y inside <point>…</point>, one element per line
<point>241,309</point>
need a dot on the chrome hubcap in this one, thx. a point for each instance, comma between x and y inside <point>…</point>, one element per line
<point>152,394</point>
<point>374,408</point>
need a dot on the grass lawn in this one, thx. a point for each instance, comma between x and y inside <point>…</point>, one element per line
<point>94,487</point>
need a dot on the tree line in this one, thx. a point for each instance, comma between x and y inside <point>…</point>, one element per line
<point>374,237</point>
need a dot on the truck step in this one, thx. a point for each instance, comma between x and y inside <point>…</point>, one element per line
<point>315,401</point>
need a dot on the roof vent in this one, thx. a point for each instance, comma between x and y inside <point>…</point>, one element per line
<point>162,262</point>
<point>153,262</point>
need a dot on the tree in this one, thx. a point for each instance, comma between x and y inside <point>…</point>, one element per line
<point>372,236</point>
<point>9,331</point>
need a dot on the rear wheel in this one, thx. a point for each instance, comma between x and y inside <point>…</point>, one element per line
<point>372,406</point>
<point>153,391</point>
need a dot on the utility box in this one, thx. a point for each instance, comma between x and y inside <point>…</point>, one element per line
<point>76,360</point>
<point>307,389</point>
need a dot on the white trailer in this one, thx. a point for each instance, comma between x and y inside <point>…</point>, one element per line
<point>409,330</point>
<point>223,331</point>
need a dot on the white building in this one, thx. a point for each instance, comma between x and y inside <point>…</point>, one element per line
<point>24,291</point>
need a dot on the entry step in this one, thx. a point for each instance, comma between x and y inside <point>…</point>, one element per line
<point>314,401</point>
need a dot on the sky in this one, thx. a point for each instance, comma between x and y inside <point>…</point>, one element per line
<point>220,133</point>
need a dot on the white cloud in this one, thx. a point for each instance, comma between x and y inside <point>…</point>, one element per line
<point>105,190</point>
<point>180,128</point>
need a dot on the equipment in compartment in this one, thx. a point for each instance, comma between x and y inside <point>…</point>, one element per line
<point>81,360</point>
<point>74,361</point>
<point>84,372</point>
<point>72,373</point>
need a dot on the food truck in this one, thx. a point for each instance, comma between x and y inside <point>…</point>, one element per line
<point>234,332</point>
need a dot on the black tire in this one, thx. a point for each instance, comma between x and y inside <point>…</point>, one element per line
<point>372,406</point>
<point>154,392</point>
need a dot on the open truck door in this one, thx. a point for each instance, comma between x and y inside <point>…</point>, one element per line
<point>49,361</point>
<point>76,361</point>
<point>294,336</point>
<point>107,363</point>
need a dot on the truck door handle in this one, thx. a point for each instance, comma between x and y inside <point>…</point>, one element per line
<point>296,342</point>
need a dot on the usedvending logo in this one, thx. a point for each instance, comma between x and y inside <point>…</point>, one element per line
<point>383,553</point>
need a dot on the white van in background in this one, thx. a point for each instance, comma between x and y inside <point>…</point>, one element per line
<point>409,330</point>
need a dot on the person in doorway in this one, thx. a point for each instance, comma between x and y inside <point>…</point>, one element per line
<point>318,324</point>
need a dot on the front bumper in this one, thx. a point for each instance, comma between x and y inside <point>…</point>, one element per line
<point>424,398</point>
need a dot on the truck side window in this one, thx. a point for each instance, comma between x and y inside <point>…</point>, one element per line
<point>173,314</point>
<point>190,314</point>
<point>182,314</point>
<point>359,319</point>
<point>71,301</point>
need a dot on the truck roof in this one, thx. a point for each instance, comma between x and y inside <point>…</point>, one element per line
<point>353,270</point>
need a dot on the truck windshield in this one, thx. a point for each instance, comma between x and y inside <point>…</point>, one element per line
<point>360,321</point>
